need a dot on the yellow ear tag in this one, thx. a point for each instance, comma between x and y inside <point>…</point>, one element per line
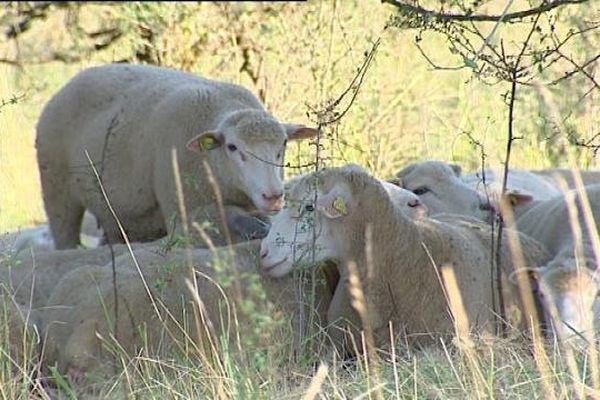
<point>340,205</point>
<point>207,142</point>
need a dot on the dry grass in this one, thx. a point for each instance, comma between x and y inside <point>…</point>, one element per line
<point>404,111</point>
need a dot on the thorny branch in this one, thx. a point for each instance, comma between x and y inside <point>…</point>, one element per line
<point>13,100</point>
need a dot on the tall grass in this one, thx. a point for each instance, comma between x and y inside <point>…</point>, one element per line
<point>404,111</point>
<point>307,54</point>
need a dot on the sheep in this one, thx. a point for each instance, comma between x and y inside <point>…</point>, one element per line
<point>32,275</point>
<point>524,189</point>
<point>300,225</point>
<point>39,237</point>
<point>441,189</point>
<point>78,319</point>
<point>241,225</point>
<point>401,284</point>
<point>569,280</point>
<point>129,118</point>
<point>18,333</point>
<point>589,177</point>
<point>518,180</point>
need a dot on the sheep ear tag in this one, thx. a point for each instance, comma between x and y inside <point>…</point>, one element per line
<point>339,204</point>
<point>207,142</point>
<point>203,142</point>
<point>332,209</point>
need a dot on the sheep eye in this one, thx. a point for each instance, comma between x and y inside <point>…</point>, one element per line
<point>420,191</point>
<point>278,155</point>
<point>309,208</point>
<point>232,147</point>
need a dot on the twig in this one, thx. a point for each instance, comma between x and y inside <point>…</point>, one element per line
<point>410,9</point>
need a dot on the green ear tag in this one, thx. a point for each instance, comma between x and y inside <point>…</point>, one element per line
<point>340,205</point>
<point>207,142</point>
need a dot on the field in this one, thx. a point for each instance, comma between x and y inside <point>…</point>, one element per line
<point>298,57</point>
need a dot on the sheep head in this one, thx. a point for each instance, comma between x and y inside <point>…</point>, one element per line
<point>568,292</point>
<point>302,232</point>
<point>250,147</point>
<point>441,189</point>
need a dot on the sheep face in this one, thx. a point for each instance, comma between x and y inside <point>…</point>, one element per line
<point>440,188</point>
<point>252,151</point>
<point>408,202</point>
<point>301,232</point>
<point>293,232</point>
<point>571,291</point>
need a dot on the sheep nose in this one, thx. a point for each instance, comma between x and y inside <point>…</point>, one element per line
<point>264,253</point>
<point>414,203</point>
<point>274,200</point>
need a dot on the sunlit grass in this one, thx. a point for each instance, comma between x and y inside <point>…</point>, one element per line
<point>404,111</point>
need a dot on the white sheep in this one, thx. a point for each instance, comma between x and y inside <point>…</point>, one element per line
<point>569,280</point>
<point>441,189</point>
<point>401,283</point>
<point>32,275</point>
<point>518,180</point>
<point>556,175</point>
<point>129,118</point>
<point>79,320</point>
<point>524,189</point>
<point>297,235</point>
<point>39,237</point>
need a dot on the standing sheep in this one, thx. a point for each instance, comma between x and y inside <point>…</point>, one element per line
<point>401,284</point>
<point>129,118</point>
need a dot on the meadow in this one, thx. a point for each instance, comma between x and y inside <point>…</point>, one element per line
<point>299,57</point>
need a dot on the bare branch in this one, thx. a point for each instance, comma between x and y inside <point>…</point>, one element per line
<point>577,69</point>
<point>410,9</point>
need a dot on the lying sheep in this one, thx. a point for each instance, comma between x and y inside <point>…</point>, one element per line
<point>40,238</point>
<point>568,280</point>
<point>129,118</point>
<point>441,189</point>
<point>18,335</point>
<point>297,226</point>
<point>518,180</point>
<point>401,284</point>
<point>32,275</point>
<point>241,225</point>
<point>524,189</point>
<point>79,319</point>
<point>556,175</point>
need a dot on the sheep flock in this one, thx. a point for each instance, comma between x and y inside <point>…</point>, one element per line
<point>168,211</point>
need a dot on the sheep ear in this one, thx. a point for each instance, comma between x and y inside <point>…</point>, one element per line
<point>516,198</point>
<point>456,168</point>
<point>533,274</point>
<point>397,181</point>
<point>205,141</point>
<point>299,132</point>
<point>333,205</point>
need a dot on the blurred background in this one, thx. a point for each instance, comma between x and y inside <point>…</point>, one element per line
<point>415,89</point>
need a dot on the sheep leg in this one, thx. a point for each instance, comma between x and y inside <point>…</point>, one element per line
<point>64,217</point>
